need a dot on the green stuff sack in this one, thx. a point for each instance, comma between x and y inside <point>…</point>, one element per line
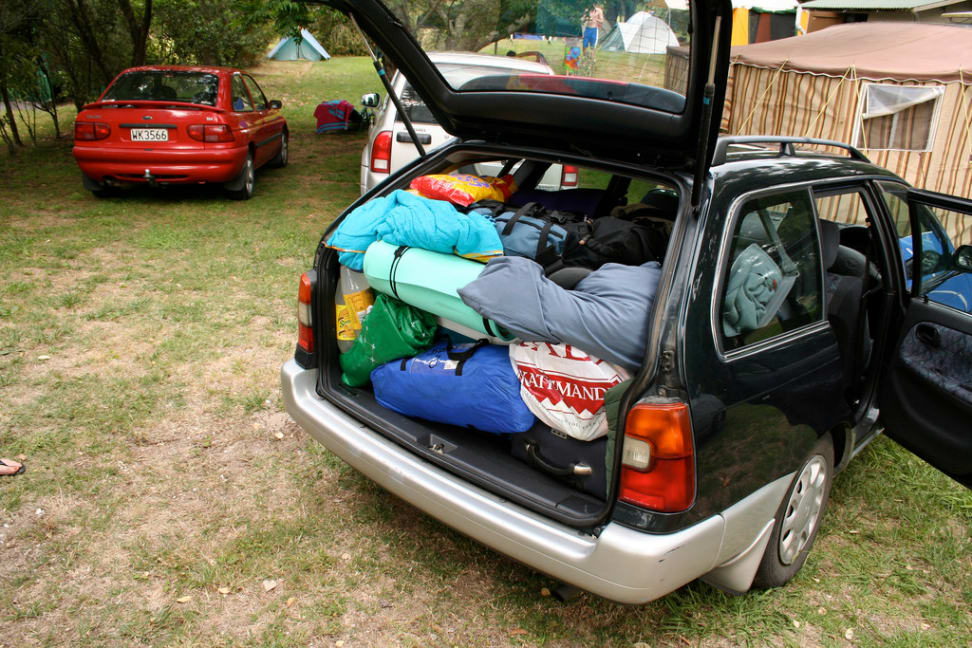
<point>612,403</point>
<point>391,330</point>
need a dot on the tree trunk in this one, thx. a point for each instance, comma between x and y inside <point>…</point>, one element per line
<point>80,16</point>
<point>138,30</point>
<point>11,119</point>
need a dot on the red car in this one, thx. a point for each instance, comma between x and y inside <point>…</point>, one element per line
<point>179,125</point>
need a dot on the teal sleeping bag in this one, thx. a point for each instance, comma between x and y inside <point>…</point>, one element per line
<point>429,281</point>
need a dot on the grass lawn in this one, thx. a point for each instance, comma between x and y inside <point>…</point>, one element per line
<point>170,501</point>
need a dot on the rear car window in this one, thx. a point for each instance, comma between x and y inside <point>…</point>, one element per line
<point>241,100</point>
<point>634,53</point>
<point>165,85</point>
<point>773,282</point>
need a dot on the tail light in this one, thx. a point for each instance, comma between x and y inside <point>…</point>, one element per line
<point>568,177</point>
<point>658,461</point>
<point>381,152</point>
<point>305,332</point>
<point>211,133</point>
<point>90,131</point>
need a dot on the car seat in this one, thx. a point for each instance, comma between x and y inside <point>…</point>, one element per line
<point>166,92</point>
<point>844,278</point>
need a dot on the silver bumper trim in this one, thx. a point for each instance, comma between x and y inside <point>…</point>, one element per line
<point>621,564</point>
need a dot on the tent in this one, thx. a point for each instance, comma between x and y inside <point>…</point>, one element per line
<point>642,33</point>
<point>290,49</point>
<point>900,92</point>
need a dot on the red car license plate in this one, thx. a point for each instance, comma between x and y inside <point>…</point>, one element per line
<point>150,135</point>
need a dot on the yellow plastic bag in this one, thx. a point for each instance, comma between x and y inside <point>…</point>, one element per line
<point>464,189</point>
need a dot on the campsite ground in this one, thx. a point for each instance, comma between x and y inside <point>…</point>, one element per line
<point>169,500</point>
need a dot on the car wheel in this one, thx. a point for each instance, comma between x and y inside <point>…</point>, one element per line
<point>98,189</point>
<point>280,159</point>
<point>798,518</point>
<point>242,187</point>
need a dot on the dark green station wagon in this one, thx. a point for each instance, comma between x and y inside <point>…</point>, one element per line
<point>730,431</point>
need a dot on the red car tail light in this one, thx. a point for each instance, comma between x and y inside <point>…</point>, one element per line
<point>211,133</point>
<point>568,177</point>
<point>658,462</point>
<point>90,131</point>
<point>381,152</point>
<point>305,332</point>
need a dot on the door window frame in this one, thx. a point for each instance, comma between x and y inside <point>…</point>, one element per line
<point>722,272</point>
<point>238,76</point>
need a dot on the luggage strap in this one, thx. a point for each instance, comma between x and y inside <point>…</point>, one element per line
<point>526,210</point>
<point>572,470</point>
<point>393,269</point>
<point>462,356</point>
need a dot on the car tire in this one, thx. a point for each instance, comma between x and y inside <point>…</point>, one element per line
<point>280,159</point>
<point>241,188</point>
<point>798,518</point>
<point>98,189</point>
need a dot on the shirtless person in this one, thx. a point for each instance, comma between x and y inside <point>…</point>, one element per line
<point>592,20</point>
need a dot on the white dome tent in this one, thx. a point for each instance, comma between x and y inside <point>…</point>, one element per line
<point>643,33</point>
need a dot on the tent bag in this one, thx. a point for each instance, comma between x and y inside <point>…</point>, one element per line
<point>469,385</point>
<point>531,231</point>
<point>579,463</point>
<point>391,330</point>
<point>427,280</point>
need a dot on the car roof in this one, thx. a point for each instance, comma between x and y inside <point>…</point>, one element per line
<point>753,174</point>
<point>486,60</point>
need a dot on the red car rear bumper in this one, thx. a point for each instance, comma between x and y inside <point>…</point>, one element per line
<point>164,166</point>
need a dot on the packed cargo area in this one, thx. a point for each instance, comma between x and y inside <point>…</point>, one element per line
<point>492,327</point>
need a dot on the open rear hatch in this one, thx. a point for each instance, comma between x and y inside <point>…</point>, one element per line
<point>598,119</point>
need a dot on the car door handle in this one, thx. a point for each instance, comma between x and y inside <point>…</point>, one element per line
<point>423,138</point>
<point>929,335</point>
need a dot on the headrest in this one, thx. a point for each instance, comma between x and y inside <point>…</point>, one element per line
<point>829,242</point>
<point>664,201</point>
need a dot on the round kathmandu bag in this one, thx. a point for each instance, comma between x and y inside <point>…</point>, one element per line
<point>564,386</point>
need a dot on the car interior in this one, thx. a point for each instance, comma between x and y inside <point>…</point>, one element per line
<point>488,459</point>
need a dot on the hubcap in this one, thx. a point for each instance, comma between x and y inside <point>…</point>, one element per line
<point>283,150</point>
<point>803,510</point>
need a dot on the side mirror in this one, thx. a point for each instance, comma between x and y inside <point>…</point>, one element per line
<point>962,259</point>
<point>370,100</point>
<point>275,104</point>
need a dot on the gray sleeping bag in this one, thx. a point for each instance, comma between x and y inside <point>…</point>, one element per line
<point>606,314</point>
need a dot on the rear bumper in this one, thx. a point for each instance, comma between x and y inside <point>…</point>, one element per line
<point>619,564</point>
<point>166,166</point>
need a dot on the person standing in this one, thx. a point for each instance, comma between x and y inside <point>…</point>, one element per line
<point>592,20</point>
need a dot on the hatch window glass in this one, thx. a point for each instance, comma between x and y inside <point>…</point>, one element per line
<point>897,118</point>
<point>165,85</point>
<point>634,53</point>
<point>773,280</point>
<point>256,93</point>
<point>241,100</point>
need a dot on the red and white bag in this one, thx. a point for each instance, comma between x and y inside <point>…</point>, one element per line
<point>564,386</point>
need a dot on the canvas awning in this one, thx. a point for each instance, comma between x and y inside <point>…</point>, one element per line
<point>888,50</point>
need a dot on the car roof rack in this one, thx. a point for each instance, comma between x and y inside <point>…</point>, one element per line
<point>786,145</point>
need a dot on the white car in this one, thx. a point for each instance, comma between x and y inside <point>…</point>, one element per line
<point>390,147</point>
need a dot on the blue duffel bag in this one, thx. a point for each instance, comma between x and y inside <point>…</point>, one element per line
<point>469,385</point>
<point>530,231</point>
